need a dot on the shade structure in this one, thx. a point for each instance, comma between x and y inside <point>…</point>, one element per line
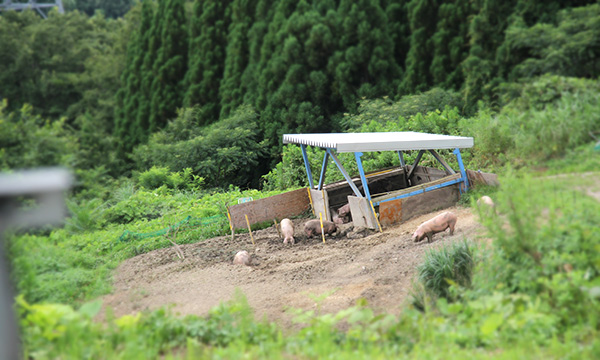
<point>379,141</point>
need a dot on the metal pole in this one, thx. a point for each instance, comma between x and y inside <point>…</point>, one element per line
<point>463,173</point>
<point>323,170</point>
<point>307,166</point>
<point>363,178</point>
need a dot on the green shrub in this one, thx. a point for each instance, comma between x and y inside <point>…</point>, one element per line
<point>545,245</point>
<point>227,152</point>
<point>159,176</point>
<point>451,264</point>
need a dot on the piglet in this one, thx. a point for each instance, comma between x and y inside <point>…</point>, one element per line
<point>287,230</point>
<point>432,226</point>
<point>242,258</point>
<point>344,211</point>
<point>313,227</point>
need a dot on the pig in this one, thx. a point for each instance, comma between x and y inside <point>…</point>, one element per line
<point>338,220</point>
<point>344,214</point>
<point>313,227</point>
<point>435,225</point>
<point>242,258</point>
<point>287,230</point>
<point>344,210</point>
<point>486,200</point>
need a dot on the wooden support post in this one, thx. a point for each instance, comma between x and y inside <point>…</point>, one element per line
<point>230,224</point>
<point>312,206</point>
<point>375,214</point>
<point>322,231</point>
<point>277,228</point>
<point>249,229</point>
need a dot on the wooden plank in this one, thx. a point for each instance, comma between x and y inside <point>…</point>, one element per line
<point>292,203</point>
<point>430,201</point>
<point>362,214</point>
<point>482,178</point>
<point>390,212</point>
<point>321,203</point>
<point>415,188</point>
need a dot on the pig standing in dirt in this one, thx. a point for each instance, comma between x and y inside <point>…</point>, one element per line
<point>486,201</point>
<point>242,258</point>
<point>343,214</point>
<point>438,224</point>
<point>313,227</point>
<point>287,230</point>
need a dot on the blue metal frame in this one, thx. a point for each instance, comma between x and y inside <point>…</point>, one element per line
<point>463,173</point>
<point>307,166</point>
<point>323,170</point>
<point>401,157</point>
<point>363,178</point>
<point>420,191</point>
<point>463,179</point>
<point>343,171</point>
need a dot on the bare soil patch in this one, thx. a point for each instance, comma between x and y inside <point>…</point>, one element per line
<point>379,267</point>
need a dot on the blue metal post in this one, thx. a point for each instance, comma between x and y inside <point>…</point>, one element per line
<point>307,166</point>
<point>323,170</point>
<point>401,157</point>
<point>463,173</point>
<point>363,178</point>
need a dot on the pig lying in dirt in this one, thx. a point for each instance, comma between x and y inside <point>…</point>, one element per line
<point>242,258</point>
<point>313,227</point>
<point>287,230</point>
<point>338,220</point>
<point>438,224</point>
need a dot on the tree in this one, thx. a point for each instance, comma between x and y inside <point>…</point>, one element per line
<point>170,66</point>
<point>423,21</point>
<point>208,35</point>
<point>237,55</point>
<point>450,44</point>
<point>127,128</point>
<point>110,8</point>
<point>363,64</point>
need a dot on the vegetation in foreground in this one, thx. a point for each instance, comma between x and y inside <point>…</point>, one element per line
<point>533,292</point>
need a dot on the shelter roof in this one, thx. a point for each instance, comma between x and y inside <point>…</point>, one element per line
<point>379,141</point>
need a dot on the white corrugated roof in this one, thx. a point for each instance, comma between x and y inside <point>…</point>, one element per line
<point>379,141</point>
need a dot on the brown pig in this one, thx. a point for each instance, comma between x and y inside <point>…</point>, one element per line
<point>435,225</point>
<point>242,258</point>
<point>313,227</point>
<point>287,230</point>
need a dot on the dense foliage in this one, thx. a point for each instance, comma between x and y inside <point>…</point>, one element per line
<point>175,108</point>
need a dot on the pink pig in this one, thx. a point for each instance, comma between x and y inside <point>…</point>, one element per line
<point>287,230</point>
<point>344,210</point>
<point>313,227</point>
<point>435,225</point>
<point>242,258</point>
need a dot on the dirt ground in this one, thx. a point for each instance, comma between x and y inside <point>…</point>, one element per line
<point>379,267</point>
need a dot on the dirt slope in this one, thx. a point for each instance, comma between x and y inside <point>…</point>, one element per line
<point>378,267</point>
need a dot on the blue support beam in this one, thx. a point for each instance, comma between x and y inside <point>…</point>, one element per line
<point>420,191</point>
<point>401,157</point>
<point>463,173</point>
<point>307,166</point>
<point>363,178</point>
<point>344,172</point>
<point>323,170</point>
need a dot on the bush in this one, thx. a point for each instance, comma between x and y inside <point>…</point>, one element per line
<point>545,246</point>
<point>228,152</point>
<point>452,264</point>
